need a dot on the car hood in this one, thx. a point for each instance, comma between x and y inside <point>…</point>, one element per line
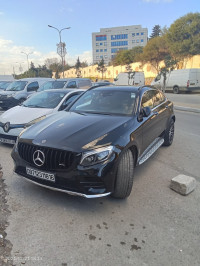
<point>77,132</point>
<point>8,92</point>
<point>22,115</point>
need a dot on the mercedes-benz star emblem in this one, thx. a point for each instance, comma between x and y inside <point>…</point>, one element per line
<point>38,158</point>
<point>6,127</point>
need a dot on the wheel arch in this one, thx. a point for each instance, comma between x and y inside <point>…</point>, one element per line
<point>134,151</point>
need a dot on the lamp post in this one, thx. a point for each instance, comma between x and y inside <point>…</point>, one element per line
<point>27,54</point>
<point>61,46</point>
<point>20,66</point>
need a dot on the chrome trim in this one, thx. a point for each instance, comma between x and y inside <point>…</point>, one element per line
<point>67,191</point>
<point>159,105</point>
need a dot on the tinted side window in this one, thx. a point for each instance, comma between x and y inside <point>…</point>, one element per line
<point>147,99</point>
<point>72,84</point>
<point>69,100</point>
<point>33,86</point>
<point>158,98</point>
<point>158,77</point>
<point>162,97</point>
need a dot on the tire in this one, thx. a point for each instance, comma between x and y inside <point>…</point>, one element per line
<point>176,90</point>
<point>169,134</point>
<point>124,176</point>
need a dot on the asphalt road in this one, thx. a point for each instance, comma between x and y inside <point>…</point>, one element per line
<point>188,100</point>
<point>154,226</point>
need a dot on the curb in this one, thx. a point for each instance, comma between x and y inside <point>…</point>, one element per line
<point>187,109</point>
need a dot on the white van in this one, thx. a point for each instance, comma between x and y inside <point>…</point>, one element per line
<point>132,79</point>
<point>19,90</point>
<point>179,80</point>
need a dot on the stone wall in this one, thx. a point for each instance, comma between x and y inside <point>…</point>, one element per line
<point>112,71</point>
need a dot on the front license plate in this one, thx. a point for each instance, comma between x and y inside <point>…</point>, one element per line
<point>40,174</point>
<point>8,141</point>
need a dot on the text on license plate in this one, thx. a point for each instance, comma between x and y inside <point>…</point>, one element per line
<point>41,175</point>
<point>8,141</point>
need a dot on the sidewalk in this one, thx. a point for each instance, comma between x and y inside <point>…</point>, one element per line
<point>185,102</point>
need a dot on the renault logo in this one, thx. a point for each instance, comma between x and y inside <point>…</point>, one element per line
<point>6,127</point>
<point>38,158</point>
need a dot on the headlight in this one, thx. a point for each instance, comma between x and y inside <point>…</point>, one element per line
<point>96,156</point>
<point>35,121</point>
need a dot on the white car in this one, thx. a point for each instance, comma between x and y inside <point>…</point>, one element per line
<point>34,109</point>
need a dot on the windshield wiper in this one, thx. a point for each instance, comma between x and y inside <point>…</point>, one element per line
<point>99,113</point>
<point>35,106</point>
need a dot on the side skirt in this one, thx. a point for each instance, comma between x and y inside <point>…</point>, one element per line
<point>150,150</point>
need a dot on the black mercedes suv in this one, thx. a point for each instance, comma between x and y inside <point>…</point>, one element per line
<point>92,148</point>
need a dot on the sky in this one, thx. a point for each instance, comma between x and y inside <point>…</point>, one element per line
<point>24,26</point>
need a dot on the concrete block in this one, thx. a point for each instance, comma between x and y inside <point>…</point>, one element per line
<point>183,184</point>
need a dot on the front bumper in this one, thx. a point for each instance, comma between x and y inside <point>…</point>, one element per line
<point>89,182</point>
<point>70,192</point>
<point>11,135</point>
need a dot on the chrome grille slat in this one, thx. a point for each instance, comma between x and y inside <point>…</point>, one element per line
<point>54,159</point>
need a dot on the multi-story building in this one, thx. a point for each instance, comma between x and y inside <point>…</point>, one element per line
<point>107,42</point>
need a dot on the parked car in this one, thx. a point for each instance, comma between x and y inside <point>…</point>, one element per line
<point>134,78</point>
<point>91,149</point>
<point>34,109</point>
<point>179,80</point>
<point>75,83</point>
<point>19,90</point>
<point>4,84</point>
<point>102,83</point>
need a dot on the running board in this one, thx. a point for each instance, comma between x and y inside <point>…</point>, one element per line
<point>150,150</point>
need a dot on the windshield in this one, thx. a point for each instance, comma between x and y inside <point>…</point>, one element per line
<point>17,86</point>
<point>4,84</point>
<point>46,86</point>
<point>44,99</point>
<point>59,84</point>
<point>112,102</point>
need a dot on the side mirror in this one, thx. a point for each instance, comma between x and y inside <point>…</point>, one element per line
<point>115,79</point>
<point>146,111</point>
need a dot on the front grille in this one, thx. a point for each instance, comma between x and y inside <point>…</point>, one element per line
<point>3,97</point>
<point>54,159</point>
<point>8,137</point>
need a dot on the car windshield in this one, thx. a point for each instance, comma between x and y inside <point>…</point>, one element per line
<point>4,84</point>
<point>46,86</point>
<point>113,102</point>
<point>17,86</point>
<point>59,84</point>
<point>44,99</point>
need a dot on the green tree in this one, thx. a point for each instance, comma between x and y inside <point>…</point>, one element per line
<point>78,66</point>
<point>84,64</point>
<point>126,57</point>
<point>170,64</point>
<point>156,31</point>
<point>184,36</point>
<point>155,51</point>
<point>101,67</point>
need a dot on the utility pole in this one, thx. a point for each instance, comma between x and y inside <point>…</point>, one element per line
<point>27,54</point>
<point>61,46</point>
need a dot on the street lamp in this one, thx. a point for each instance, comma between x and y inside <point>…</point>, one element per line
<point>61,46</point>
<point>27,54</point>
<point>20,66</point>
